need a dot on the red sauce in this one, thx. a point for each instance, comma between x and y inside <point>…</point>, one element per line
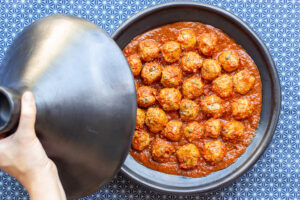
<point>169,33</point>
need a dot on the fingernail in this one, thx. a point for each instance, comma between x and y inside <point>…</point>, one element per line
<point>28,96</point>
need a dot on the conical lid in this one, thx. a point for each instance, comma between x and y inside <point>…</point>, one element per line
<point>84,93</point>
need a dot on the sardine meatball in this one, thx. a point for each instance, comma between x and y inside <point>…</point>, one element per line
<point>141,140</point>
<point>171,51</point>
<point>211,69</point>
<point>188,156</point>
<point>140,118</point>
<point>214,151</point>
<point>148,50</point>
<point>151,72</point>
<point>146,96</point>
<point>192,87</point>
<point>212,105</point>
<point>233,131</point>
<point>191,61</point>
<point>135,64</point>
<point>207,43</point>
<point>193,131</point>
<point>161,150</point>
<point>229,60</point>
<point>173,130</point>
<point>213,128</point>
<point>187,39</point>
<point>169,98</point>
<point>156,119</point>
<point>242,108</point>
<point>188,110</point>
<point>243,82</point>
<point>223,85</point>
<point>171,76</point>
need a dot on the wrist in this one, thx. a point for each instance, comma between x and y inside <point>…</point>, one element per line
<point>37,176</point>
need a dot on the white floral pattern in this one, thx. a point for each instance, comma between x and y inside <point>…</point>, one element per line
<point>276,175</point>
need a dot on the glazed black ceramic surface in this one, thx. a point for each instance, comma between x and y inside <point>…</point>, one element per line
<point>84,93</point>
<point>191,11</point>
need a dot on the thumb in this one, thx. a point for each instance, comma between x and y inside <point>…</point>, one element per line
<point>28,114</point>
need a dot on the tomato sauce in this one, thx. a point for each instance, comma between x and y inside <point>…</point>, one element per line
<point>169,33</point>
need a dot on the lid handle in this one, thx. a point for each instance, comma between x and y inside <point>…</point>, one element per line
<point>9,110</point>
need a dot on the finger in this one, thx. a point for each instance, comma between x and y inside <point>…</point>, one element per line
<point>28,114</point>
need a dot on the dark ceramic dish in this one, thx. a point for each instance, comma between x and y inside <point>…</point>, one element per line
<point>190,11</point>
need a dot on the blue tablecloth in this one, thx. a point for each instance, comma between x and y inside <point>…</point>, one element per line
<point>276,175</point>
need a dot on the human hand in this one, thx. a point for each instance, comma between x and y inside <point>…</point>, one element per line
<point>23,156</point>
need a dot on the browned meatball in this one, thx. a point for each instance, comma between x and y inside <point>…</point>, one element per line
<point>140,119</point>
<point>223,85</point>
<point>212,105</point>
<point>151,72</point>
<point>188,110</point>
<point>187,39</point>
<point>233,131</point>
<point>193,131</point>
<point>207,43</point>
<point>146,96</point>
<point>148,50</point>
<point>192,87</point>
<point>243,82</point>
<point>161,150</point>
<point>171,76</point>
<point>211,69</point>
<point>173,130</point>
<point>229,60</point>
<point>171,51</point>
<point>242,108</point>
<point>169,99</point>
<point>214,151</point>
<point>141,140</point>
<point>135,64</point>
<point>156,119</point>
<point>191,62</point>
<point>213,128</point>
<point>188,156</point>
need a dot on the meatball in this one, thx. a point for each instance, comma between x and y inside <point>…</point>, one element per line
<point>146,96</point>
<point>187,39</point>
<point>148,50</point>
<point>135,64</point>
<point>243,82</point>
<point>207,43</point>
<point>173,130</point>
<point>192,87</point>
<point>171,76</point>
<point>156,119</point>
<point>161,150</point>
<point>151,72</point>
<point>223,85</point>
<point>141,140</point>
<point>233,131</point>
<point>242,108</point>
<point>140,119</point>
<point>193,131</point>
<point>169,99</point>
<point>211,69</point>
<point>171,51</point>
<point>214,151</point>
<point>212,106</point>
<point>229,60</point>
<point>213,128</point>
<point>191,62</point>
<point>188,156</point>
<point>188,110</point>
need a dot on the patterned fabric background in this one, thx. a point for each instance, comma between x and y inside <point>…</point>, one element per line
<point>276,174</point>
